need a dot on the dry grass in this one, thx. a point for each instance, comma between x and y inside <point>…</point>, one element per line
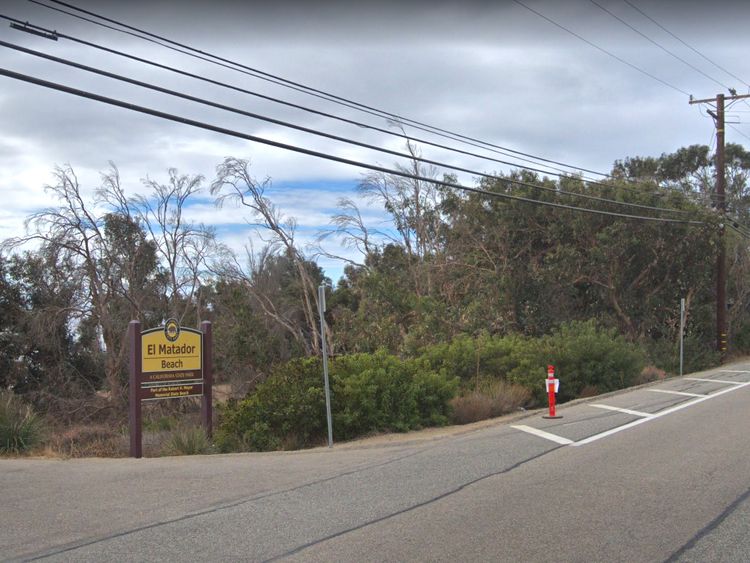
<point>94,440</point>
<point>489,399</point>
<point>649,374</point>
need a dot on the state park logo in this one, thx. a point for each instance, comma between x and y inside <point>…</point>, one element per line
<point>172,330</point>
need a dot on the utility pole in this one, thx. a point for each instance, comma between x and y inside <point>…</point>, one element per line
<point>721,255</point>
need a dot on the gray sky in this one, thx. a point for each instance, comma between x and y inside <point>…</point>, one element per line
<point>489,70</point>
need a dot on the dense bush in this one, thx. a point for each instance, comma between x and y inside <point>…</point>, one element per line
<point>369,393</point>
<point>20,427</point>
<point>380,392</point>
<point>288,409</point>
<point>376,392</point>
<point>585,356</point>
<point>699,354</point>
<point>473,359</point>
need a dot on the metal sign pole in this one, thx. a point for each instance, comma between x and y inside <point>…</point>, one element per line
<point>324,348</point>
<point>682,332</point>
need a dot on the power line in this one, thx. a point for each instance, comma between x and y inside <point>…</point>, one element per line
<point>622,21</point>
<point>717,65</point>
<point>26,26</point>
<point>169,44</point>
<point>318,154</point>
<point>738,131</point>
<point>696,51</point>
<point>602,49</point>
<point>591,182</point>
<point>267,119</point>
<point>743,233</point>
<point>262,96</point>
<point>286,103</point>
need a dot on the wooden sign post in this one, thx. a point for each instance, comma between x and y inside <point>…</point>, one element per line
<point>168,362</point>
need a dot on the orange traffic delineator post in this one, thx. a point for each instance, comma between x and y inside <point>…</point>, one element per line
<point>553,384</point>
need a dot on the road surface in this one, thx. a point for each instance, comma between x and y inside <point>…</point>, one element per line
<point>659,473</point>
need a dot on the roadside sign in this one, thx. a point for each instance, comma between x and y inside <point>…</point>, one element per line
<point>172,349</point>
<point>168,362</point>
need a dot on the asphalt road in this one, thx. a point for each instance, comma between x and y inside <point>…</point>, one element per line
<point>654,474</point>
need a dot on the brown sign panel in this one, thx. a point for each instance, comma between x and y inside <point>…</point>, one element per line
<point>171,391</point>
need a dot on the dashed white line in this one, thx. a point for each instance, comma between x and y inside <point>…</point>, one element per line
<point>716,381</point>
<point>543,434</point>
<point>624,411</point>
<point>644,417</point>
<point>683,393</point>
<point>733,370</point>
<point>659,414</point>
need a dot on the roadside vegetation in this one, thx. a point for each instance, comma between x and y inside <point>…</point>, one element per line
<point>21,429</point>
<point>448,316</point>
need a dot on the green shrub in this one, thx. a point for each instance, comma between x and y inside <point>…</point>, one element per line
<point>188,440</point>
<point>20,427</point>
<point>741,338</point>
<point>289,407</point>
<point>373,392</point>
<point>379,392</point>
<point>699,354</point>
<point>476,358</point>
<point>433,393</point>
<point>369,393</point>
<point>585,357</point>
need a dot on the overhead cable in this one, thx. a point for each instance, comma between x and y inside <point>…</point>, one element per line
<point>310,110</point>
<point>662,47</point>
<point>319,133</point>
<point>170,44</point>
<point>602,49</point>
<point>318,154</point>
<point>559,173</point>
<point>696,51</point>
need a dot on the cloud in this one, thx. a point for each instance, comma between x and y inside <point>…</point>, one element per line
<point>491,71</point>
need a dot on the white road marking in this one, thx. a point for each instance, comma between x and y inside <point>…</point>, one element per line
<point>659,414</point>
<point>733,371</point>
<point>543,434</point>
<point>716,381</point>
<point>625,411</point>
<point>684,393</point>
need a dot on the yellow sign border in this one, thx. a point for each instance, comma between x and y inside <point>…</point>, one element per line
<point>173,362</point>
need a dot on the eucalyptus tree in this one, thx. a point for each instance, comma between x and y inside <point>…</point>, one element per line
<point>113,265</point>
<point>184,248</point>
<point>234,183</point>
